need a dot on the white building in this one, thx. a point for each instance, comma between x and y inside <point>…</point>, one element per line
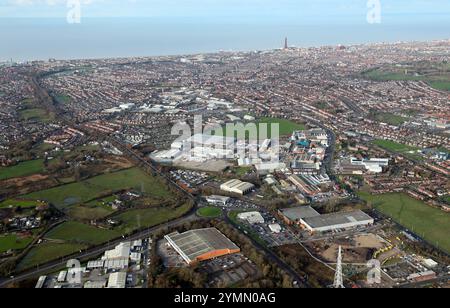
<point>337,221</point>
<point>122,251</point>
<point>117,280</point>
<point>218,200</point>
<point>275,228</point>
<point>237,187</point>
<point>251,217</point>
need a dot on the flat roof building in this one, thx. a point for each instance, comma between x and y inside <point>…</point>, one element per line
<point>237,187</point>
<point>296,214</point>
<point>251,217</point>
<point>336,221</point>
<point>117,280</point>
<point>275,228</point>
<point>217,200</point>
<point>201,245</point>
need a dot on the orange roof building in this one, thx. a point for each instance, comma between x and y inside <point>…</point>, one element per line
<point>201,245</point>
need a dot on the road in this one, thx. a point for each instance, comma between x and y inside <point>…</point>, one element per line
<point>270,254</point>
<point>94,252</point>
<point>445,278</point>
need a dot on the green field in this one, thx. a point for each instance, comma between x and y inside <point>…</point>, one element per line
<point>13,242</point>
<point>106,184</point>
<point>390,118</point>
<point>22,169</point>
<point>441,85</point>
<point>209,212</point>
<point>286,126</point>
<point>436,74</point>
<point>408,151</point>
<point>78,233</point>
<point>430,223</point>
<point>36,114</point>
<point>46,252</point>
<point>81,212</point>
<point>63,99</point>
<point>146,218</point>
<point>13,203</point>
<point>93,210</point>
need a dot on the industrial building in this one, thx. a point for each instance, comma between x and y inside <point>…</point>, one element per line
<point>201,245</point>
<point>237,187</point>
<point>251,217</point>
<point>296,214</point>
<point>373,165</point>
<point>311,220</point>
<point>121,251</point>
<point>336,221</point>
<point>275,228</point>
<point>218,200</point>
<point>117,280</point>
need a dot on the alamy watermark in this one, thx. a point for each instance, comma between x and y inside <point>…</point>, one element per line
<point>235,140</point>
<point>374,11</point>
<point>74,12</point>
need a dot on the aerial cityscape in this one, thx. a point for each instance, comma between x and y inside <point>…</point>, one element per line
<point>284,168</point>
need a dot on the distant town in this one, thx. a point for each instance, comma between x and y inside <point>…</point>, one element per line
<point>350,169</point>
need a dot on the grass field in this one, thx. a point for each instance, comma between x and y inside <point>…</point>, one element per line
<point>17,202</point>
<point>286,126</point>
<point>391,119</point>
<point>22,169</point>
<point>93,210</point>
<point>46,252</point>
<point>209,212</point>
<point>78,233</point>
<point>430,223</point>
<point>36,114</point>
<point>63,99</point>
<point>146,218</point>
<point>437,75</point>
<point>408,151</point>
<point>81,212</point>
<point>81,192</point>
<point>440,85</point>
<point>13,242</point>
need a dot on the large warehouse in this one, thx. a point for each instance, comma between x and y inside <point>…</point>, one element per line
<point>336,221</point>
<point>296,214</point>
<point>201,245</point>
<point>237,187</point>
<point>315,222</point>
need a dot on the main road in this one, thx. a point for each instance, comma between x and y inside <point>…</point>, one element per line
<point>96,251</point>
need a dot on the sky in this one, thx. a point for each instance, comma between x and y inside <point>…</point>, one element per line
<point>231,10</point>
<point>162,27</point>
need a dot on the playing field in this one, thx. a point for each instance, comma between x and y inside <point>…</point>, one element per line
<point>429,223</point>
<point>13,242</point>
<point>46,252</point>
<point>436,74</point>
<point>209,212</point>
<point>146,218</point>
<point>106,184</point>
<point>78,233</point>
<point>22,169</point>
<point>403,149</point>
<point>390,118</point>
<point>36,114</point>
<point>286,126</point>
<point>13,203</point>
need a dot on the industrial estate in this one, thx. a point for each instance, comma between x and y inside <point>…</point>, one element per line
<point>348,166</point>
